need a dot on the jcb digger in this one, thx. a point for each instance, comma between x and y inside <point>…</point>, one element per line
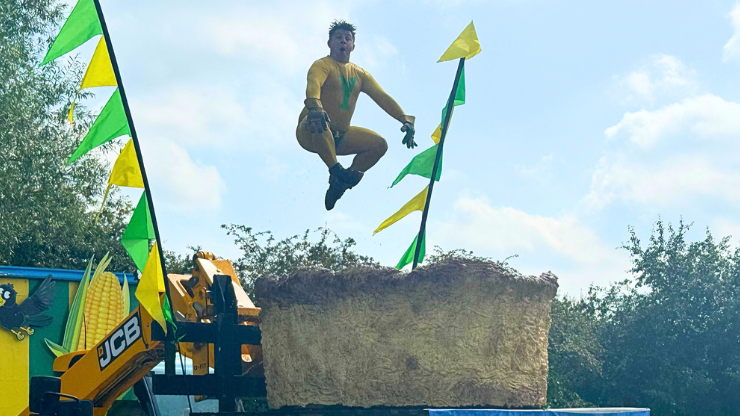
<point>216,326</point>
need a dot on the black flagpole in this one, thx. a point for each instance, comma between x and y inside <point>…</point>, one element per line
<point>448,115</point>
<point>169,343</point>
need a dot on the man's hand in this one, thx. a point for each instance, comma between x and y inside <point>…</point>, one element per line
<point>408,128</point>
<point>317,120</point>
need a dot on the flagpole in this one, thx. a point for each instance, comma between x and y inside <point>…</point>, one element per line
<point>445,125</point>
<point>147,190</point>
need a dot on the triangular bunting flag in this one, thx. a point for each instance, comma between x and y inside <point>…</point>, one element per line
<point>465,46</point>
<point>417,203</point>
<point>81,25</point>
<point>422,165</point>
<point>459,100</point>
<point>138,233</point>
<point>408,256</point>
<point>459,96</point>
<point>111,123</point>
<point>100,70</point>
<point>126,171</point>
<point>150,286</point>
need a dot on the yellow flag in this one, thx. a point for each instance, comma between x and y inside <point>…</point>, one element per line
<point>417,203</point>
<point>465,46</point>
<point>437,135</point>
<point>150,286</point>
<point>100,71</point>
<point>126,170</point>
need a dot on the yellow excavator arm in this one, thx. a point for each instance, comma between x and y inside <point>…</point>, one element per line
<point>131,350</point>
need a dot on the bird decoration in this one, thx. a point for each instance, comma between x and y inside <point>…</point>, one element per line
<point>20,319</point>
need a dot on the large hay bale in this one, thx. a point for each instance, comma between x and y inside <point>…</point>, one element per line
<point>458,333</point>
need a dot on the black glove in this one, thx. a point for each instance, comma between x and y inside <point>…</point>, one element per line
<point>318,120</point>
<point>408,139</point>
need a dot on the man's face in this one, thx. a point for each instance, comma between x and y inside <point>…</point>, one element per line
<point>341,44</point>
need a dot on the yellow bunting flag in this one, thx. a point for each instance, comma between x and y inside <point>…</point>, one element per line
<point>126,172</point>
<point>437,135</point>
<point>150,286</point>
<point>465,46</point>
<point>100,71</point>
<point>417,203</point>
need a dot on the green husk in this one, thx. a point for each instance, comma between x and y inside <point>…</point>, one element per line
<point>80,312</point>
<point>55,348</point>
<point>126,298</point>
<point>74,320</point>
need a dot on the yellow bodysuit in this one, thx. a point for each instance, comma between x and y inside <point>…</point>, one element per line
<point>337,86</point>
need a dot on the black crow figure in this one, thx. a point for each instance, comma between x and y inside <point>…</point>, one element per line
<point>19,319</point>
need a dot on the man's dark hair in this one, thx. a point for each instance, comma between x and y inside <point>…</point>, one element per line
<point>341,25</point>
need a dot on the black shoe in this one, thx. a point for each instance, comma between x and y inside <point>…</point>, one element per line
<point>348,177</point>
<point>335,191</point>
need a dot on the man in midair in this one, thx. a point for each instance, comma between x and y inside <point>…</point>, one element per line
<point>334,84</point>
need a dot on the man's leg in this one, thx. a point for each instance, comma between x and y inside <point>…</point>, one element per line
<point>368,145</point>
<point>321,144</point>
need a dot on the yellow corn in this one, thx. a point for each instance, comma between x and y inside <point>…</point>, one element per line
<point>103,309</point>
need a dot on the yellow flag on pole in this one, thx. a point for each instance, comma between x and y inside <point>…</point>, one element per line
<point>437,135</point>
<point>126,172</point>
<point>100,71</point>
<point>417,203</point>
<point>465,46</point>
<point>150,286</point>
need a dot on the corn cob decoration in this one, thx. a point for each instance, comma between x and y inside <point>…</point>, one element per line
<point>103,309</point>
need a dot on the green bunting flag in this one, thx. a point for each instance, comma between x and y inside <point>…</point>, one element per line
<point>167,312</point>
<point>459,96</point>
<point>422,165</point>
<point>138,233</point>
<point>111,123</point>
<point>81,25</point>
<point>408,256</point>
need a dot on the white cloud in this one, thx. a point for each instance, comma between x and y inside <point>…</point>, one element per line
<point>538,170</point>
<point>576,253</point>
<point>374,53</point>
<point>291,35</point>
<point>181,183</point>
<point>675,180</point>
<point>478,224</point>
<point>705,117</point>
<point>221,116</point>
<point>662,76</point>
<point>731,50</point>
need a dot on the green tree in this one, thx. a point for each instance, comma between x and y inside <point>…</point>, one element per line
<point>47,208</point>
<point>667,339</point>
<point>263,255</point>
<point>574,353</point>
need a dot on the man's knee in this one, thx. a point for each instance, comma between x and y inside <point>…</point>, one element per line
<point>382,146</point>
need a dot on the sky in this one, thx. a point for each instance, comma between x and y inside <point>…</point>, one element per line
<point>581,119</point>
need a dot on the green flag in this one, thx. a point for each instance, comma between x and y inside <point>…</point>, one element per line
<point>408,256</point>
<point>167,311</point>
<point>421,165</point>
<point>138,233</point>
<point>111,123</point>
<point>459,96</point>
<point>81,25</point>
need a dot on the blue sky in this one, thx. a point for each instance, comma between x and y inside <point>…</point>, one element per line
<point>581,118</point>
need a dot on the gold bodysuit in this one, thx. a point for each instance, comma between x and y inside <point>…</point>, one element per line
<point>338,85</point>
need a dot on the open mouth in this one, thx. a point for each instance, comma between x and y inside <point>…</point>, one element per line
<point>342,49</point>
